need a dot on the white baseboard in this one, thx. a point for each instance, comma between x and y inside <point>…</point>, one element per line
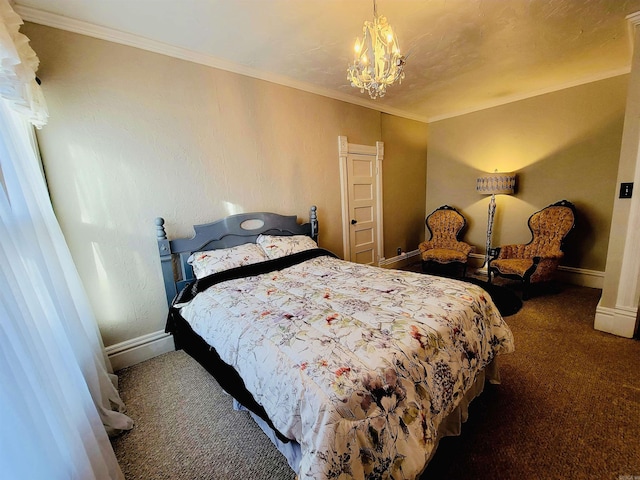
<point>399,261</point>
<point>581,276</point>
<point>619,321</point>
<point>139,349</point>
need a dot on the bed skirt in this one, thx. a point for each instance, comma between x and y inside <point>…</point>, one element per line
<point>451,426</point>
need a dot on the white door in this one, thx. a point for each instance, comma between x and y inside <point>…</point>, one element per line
<point>362,208</point>
<point>361,181</point>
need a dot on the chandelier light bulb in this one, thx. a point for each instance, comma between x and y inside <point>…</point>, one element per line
<point>379,43</point>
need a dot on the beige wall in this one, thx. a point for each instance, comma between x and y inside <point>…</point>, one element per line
<point>404,172</point>
<point>134,135</point>
<point>563,145</point>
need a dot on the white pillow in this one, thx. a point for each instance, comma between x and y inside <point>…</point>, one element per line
<point>213,261</point>
<point>276,246</point>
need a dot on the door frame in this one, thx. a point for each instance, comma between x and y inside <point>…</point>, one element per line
<point>377,150</point>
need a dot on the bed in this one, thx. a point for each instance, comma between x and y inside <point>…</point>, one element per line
<point>352,371</point>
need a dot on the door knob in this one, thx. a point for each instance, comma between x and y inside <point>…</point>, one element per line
<point>353,222</point>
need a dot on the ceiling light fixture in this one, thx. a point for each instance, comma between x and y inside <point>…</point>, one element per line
<point>378,62</point>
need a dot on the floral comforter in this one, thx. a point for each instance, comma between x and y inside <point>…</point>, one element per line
<point>358,364</point>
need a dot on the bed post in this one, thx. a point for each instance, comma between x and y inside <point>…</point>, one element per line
<point>165,260</point>
<point>313,220</point>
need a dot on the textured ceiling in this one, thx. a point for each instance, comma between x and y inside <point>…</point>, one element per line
<point>463,55</point>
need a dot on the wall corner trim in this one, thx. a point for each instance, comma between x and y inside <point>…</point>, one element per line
<point>619,321</point>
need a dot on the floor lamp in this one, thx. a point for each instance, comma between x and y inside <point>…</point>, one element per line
<point>494,184</point>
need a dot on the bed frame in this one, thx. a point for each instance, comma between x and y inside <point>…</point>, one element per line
<point>237,230</point>
<point>228,232</point>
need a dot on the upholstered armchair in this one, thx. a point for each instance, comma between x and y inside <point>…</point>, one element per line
<point>538,260</point>
<point>445,225</point>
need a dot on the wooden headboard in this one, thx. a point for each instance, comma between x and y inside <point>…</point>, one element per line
<point>228,232</point>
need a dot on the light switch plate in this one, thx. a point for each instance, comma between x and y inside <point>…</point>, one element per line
<point>626,189</point>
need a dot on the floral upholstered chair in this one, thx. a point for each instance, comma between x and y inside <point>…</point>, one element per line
<point>445,225</point>
<point>538,260</point>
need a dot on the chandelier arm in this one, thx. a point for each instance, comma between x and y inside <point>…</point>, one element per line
<point>378,62</point>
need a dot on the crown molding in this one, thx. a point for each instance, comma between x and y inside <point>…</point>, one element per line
<point>633,18</point>
<point>116,36</point>
<point>48,19</point>
<point>536,93</point>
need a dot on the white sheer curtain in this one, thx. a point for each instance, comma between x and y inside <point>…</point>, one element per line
<point>58,399</point>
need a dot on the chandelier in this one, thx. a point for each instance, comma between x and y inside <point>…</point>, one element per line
<point>377,62</point>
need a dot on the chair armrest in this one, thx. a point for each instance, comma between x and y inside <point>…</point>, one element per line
<point>464,248</point>
<point>424,246</point>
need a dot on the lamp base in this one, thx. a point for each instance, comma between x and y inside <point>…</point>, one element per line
<point>483,270</point>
